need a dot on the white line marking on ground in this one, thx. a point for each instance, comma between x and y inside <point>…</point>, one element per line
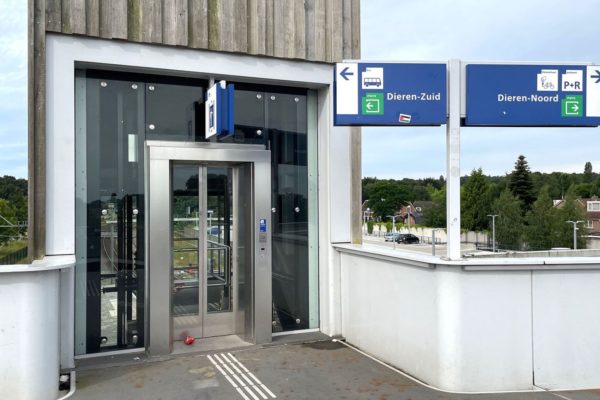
<point>255,397</point>
<point>250,383</point>
<point>239,371</point>
<point>241,392</point>
<point>220,369</point>
<point>231,381</point>
<point>228,369</point>
<point>241,382</point>
<point>223,362</point>
<point>260,392</point>
<point>218,359</point>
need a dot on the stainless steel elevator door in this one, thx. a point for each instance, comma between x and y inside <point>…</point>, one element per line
<point>205,255</point>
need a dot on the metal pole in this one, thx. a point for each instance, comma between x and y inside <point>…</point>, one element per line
<point>493,232</point>
<point>574,232</point>
<point>453,161</point>
<point>433,231</point>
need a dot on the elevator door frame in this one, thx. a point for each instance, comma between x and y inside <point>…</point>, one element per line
<point>255,325</point>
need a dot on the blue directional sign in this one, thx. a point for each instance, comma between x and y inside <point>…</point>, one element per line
<point>532,95</point>
<point>219,109</point>
<point>390,94</point>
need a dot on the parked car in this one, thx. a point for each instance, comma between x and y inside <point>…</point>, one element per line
<point>407,238</point>
<point>390,237</point>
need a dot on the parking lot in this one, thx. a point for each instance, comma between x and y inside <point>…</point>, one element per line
<point>427,248</point>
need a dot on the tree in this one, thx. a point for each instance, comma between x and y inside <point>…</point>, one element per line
<point>8,216</point>
<point>588,176</point>
<point>509,223</point>
<point>475,202</point>
<point>571,210</point>
<point>541,222</point>
<point>386,197</point>
<point>435,216</point>
<point>521,184</point>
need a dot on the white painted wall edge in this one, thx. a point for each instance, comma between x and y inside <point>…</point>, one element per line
<point>45,264</point>
<point>470,264</point>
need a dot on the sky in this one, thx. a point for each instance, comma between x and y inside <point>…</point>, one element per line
<point>403,30</point>
<point>479,30</point>
<point>13,88</point>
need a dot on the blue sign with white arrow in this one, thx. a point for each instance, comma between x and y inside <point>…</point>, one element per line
<point>398,94</point>
<point>532,95</point>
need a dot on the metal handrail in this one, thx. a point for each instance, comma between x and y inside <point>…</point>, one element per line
<point>223,262</point>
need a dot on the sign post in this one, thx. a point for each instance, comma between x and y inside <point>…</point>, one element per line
<point>413,94</point>
<point>453,163</point>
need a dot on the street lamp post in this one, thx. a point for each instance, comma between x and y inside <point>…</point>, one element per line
<point>493,231</point>
<point>433,231</point>
<point>393,217</point>
<point>575,232</point>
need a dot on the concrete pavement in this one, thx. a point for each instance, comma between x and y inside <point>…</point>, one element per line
<point>323,369</point>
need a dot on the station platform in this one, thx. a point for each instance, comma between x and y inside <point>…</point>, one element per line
<point>309,367</point>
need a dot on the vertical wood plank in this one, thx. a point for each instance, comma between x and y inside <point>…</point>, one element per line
<point>239,23</point>
<point>347,29</point>
<point>37,126</point>
<point>279,28</point>
<point>257,26</point>
<point>65,17</point>
<point>214,20</point>
<point>269,21</point>
<point>175,22</point>
<point>134,20</point>
<point>289,26</point>
<point>119,19</point>
<point>92,18</point>
<point>78,17</point>
<point>315,30</point>
<point>53,15</point>
<point>104,21</point>
<point>310,29</point>
<point>151,21</point>
<point>356,29</point>
<point>320,33</point>
<point>335,30</point>
<point>299,43</point>
<point>198,23</point>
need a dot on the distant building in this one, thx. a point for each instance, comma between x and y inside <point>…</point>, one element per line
<point>591,206</point>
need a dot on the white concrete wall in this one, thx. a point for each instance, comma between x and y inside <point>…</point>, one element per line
<point>566,328</point>
<point>30,329</point>
<point>469,328</point>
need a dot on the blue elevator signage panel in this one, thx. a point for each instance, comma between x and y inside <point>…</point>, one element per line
<point>390,94</point>
<point>532,95</point>
<point>219,109</point>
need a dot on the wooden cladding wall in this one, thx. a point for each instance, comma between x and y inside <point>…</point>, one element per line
<point>315,30</point>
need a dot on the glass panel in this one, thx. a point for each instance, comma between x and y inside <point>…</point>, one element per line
<point>219,218</point>
<point>249,118</point>
<point>287,127</point>
<point>186,229</point>
<point>174,112</point>
<point>110,276</point>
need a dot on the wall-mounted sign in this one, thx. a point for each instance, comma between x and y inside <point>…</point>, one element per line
<point>532,95</point>
<point>390,94</point>
<point>219,110</point>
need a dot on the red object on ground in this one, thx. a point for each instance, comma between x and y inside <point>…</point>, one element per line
<point>189,340</point>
